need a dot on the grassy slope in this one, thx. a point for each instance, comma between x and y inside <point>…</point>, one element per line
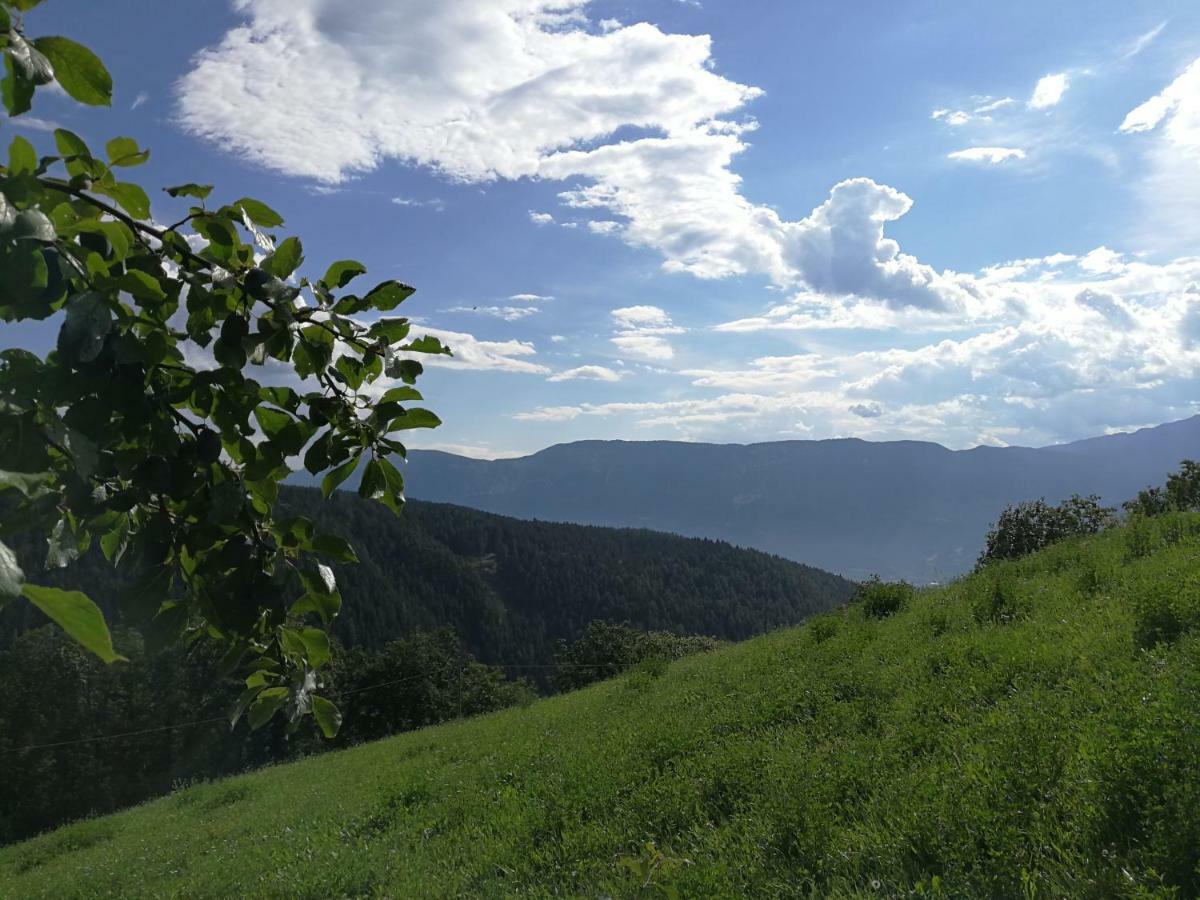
<point>1003,739</point>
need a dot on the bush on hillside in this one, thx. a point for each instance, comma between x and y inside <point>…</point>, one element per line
<point>1180,494</point>
<point>607,649</point>
<point>421,680</point>
<point>1025,528</point>
<point>881,599</point>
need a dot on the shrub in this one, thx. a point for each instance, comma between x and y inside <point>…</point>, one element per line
<point>1164,609</point>
<point>881,599</point>
<point>1181,494</point>
<point>1028,527</point>
<point>608,649</point>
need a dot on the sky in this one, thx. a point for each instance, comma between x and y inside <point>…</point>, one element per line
<point>964,222</point>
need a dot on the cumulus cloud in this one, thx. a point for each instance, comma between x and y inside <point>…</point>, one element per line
<point>586,373</point>
<point>629,317</point>
<point>867,410</point>
<point>640,331</point>
<point>992,155</point>
<point>1178,105</point>
<point>840,249</point>
<point>479,90</point>
<point>529,298</point>
<point>1049,90</point>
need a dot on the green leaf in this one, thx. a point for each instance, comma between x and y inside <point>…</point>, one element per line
<point>426,344</point>
<point>141,285</point>
<point>22,158</point>
<point>286,258</point>
<point>316,643</point>
<point>327,606</point>
<point>335,548</point>
<point>11,576</point>
<point>132,197</point>
<point>70,144</point>
<point>124,151</point>
<point>31,484</point>
<point>342,272</point>
<point>389,295</point>
<point>328,716</point>
<point>330,482</point>
<point>28,60</point>
<point>400,395</point>
<point>78,70</point>
<point>414,418</point>
<point>259,212</point>
<point>265,705</point>
<point>199,191</point>
<point>87,324</point>
<point>17,89</point>
<point>33,225</point>
<point>77,615</point>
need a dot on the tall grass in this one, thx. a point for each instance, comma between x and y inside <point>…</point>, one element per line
<point>1032,730</point>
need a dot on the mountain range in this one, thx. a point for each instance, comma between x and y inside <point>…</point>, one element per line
<point>901,509</point>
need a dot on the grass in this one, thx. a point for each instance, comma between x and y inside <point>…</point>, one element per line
<point>1033,730</point>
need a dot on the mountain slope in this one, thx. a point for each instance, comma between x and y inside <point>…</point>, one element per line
<point>512,589</point>
<point>1005,736</point>
<point>901,509</point>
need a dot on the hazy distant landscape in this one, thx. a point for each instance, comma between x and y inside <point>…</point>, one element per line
<point>902,509</point>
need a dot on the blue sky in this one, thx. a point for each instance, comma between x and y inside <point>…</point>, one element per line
<point>962,222</point>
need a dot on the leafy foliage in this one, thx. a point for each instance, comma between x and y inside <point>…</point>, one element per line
<point>931,753</point>
<point>1028,527</point>
<point>1181,493</point>
<point>608,649</point>
<point>118,437</point>
<point>881,599</point>
<point>56,693</point>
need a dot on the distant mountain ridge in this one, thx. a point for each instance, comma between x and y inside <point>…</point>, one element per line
<point>899,508</point>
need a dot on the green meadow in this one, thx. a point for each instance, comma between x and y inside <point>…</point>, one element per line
<point>1032,730</point>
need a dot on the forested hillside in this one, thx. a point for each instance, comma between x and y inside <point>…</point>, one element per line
<point>1027,731</point>
<point>512,589</point>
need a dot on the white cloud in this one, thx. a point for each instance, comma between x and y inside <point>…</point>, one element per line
<point>603,227</point>
<point>529,298</point>
<point>472,353</point>
<point>1142,41</point>
<point>33,123</point>
<point>586,373</point>
<point>507,313</point>
<point>141,98</point>
<point>549,414</point>
<point>540,218</point>
<point>1178,104</point>
<point>557,338</point>
<point>992,155</point>
<point>479,90</point>
<point>1049,90</point>
<point>990,105</point>
<point>867,410</point>
<point>953,117</point>
<point>649,347</point>
<point>435,204</point>
<point>1169,190</point>
<point>640,331</point>
<point>641,317</point>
